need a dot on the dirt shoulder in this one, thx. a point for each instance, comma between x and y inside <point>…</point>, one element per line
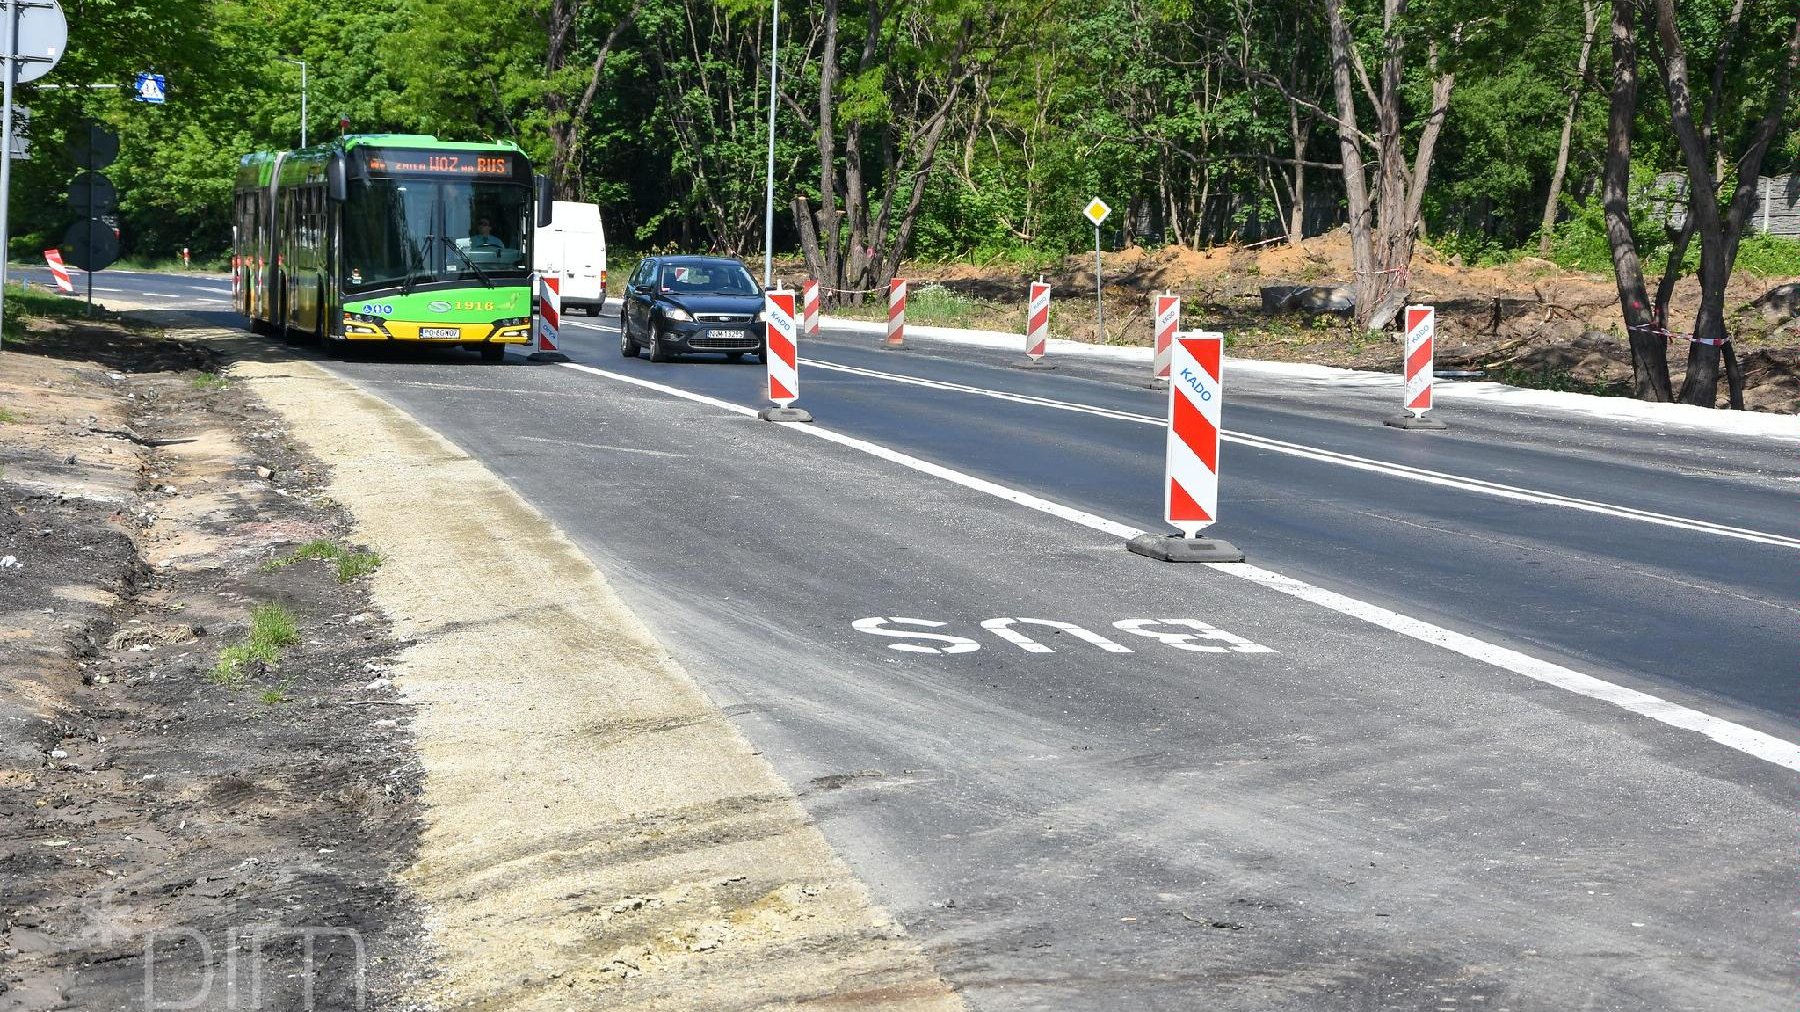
<point>597,833</point>
<point>174,829</point>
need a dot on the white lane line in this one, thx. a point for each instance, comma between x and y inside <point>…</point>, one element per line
<point>1479,486</point>
<point>1736,737</point>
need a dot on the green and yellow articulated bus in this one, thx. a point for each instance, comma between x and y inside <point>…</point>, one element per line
<point>388,238</point>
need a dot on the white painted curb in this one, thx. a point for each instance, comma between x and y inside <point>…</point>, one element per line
<point>1761,424</point>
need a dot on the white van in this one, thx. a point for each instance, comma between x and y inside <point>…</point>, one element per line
<point>573,248</point>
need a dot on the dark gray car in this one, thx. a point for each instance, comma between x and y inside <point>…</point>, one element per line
<point>683,304</point>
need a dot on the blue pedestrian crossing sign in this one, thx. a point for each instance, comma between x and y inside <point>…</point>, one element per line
<point>151,88</point>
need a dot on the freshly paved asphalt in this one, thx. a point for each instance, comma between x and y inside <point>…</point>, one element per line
<point>1351,820</point>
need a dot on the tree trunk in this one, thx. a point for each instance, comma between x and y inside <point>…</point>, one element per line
<point>1719,233</point>
<point>1356,186</point>
<point>1383,231</point>
<point>1590,10</point>
<point>825,262</point>
<point>1649,355</point>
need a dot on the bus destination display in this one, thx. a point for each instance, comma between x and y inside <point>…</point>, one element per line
<point>441,163</point>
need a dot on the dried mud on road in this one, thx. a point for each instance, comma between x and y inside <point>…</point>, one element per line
<point>477,769</point>
<point>171,834</point>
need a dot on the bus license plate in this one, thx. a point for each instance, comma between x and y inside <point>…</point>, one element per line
<point>440,333</point>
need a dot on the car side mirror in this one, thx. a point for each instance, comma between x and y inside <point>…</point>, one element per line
<point>545,201</point>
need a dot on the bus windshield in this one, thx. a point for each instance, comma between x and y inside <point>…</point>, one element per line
<point>408,232</point>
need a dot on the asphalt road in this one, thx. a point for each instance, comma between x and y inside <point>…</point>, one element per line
<point>1330,812</point>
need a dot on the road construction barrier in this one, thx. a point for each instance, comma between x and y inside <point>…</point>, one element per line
<point>1191,460</point>
<point>783,358</point>
<point>896,331</point>
<point>1037,321</point>
<point>549,316</point>
<point>1421,334</point>
<point>59,271</point>
<point>1191,453</point>
<point>1168,320</point>
<point>781,353</point>
<point>809,313</point>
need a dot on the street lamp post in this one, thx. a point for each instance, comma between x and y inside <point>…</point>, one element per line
<point>769,197</point>
<point>302,64</point>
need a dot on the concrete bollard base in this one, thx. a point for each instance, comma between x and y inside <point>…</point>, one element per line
<point>1032,363</point>
<point>547,356</point>
<point>1157,384</point>
<point>1415,422</point>
<point>1175,548</point>
<point>785,415</point>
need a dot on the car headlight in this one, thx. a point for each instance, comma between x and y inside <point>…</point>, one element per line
<point>677,313</point>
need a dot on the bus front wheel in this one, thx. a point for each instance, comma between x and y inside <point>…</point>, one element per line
<point>493,352</point>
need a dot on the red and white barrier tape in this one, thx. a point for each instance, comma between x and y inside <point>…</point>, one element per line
<point>1651,328</point>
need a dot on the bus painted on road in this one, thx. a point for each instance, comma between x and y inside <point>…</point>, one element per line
<point>388,238</point>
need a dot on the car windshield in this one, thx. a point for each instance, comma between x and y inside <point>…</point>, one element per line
<point>412,231</point>
<point>708,279</point>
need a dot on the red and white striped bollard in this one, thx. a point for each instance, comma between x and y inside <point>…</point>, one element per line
<point>1037,327</point>
<point>1421,339</point>
<point>896,332</point>
<point>59,271</point>
<point>1168,321</point>
<point>1191,454</point>
<point>548,335</point>
<point>809,313</point>
<point>781,353</point>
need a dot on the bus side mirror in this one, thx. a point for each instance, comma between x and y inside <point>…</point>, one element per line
<point>544,200</point>
<point>337,188</point>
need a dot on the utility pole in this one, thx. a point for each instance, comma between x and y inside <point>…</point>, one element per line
<point>11,57</point>
<point>769,196</point>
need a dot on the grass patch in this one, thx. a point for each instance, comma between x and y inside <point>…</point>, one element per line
<point>7,417</point>
<point>25,302</point>
<point>349,564</point>
<point>209,381</point>
<point>1553,379</point>
<point>275,695</point>
<point>272,629</point>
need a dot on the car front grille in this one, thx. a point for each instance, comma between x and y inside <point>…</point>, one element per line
<point>721,318</point>
<point>736,342</point>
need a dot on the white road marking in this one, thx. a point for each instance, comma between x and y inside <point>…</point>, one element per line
<point>1737,737</point>
<point>1476,485</point>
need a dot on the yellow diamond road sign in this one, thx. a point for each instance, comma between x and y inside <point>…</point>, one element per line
<point>1096,211</point>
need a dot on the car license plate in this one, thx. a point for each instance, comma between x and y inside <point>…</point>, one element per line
<point>440,333</point>
<point>726,335</point>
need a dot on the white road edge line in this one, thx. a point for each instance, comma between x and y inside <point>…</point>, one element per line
<point>1736,737</point>
<point>1477,485</point>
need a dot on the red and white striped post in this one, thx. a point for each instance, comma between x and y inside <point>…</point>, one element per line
<point>548,335</point>
<point>1191,454</point>
<point>896,332</point>
<point>1037,327</point>
<point>809,312</point>
<point>59,271</point>
<point>1168,321</point>
<point>781,353</point>
<point>1421,336</point>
